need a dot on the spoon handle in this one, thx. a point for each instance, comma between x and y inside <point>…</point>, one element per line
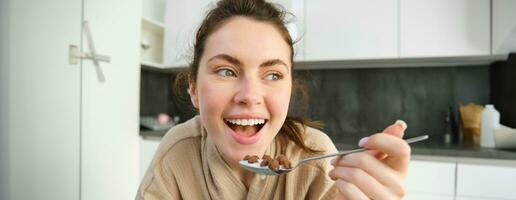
<point>410,140</point>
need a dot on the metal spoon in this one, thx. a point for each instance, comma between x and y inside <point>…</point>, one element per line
<point>256,168</point>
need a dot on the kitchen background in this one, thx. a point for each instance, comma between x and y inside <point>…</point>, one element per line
<point>88,130</point>
<point>354,103</point>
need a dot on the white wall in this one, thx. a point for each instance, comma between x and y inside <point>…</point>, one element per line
<point>4,100</point>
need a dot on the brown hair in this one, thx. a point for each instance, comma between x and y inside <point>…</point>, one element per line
<point>294,127</point>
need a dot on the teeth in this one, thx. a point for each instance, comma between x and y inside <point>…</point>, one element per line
<point>246,122</point>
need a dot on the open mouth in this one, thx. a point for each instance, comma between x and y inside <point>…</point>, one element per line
<point>245,127</point>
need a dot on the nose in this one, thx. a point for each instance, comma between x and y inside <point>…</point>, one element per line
<point>249,92</point>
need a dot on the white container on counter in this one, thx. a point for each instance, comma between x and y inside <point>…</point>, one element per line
<point>489,121</point>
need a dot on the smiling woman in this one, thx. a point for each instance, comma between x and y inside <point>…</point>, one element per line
<point>241,81</point>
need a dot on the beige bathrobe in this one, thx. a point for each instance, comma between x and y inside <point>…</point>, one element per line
<point>188,166</point>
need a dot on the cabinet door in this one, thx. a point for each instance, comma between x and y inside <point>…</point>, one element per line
<point>148,148</point>
<point>475,198</point>
<point>444,28</point>
<point>182,18</point>
<point>431,177</point>
<point>504,26</point>
<point>4,107</point>
<point>110,102</point>
<point>296,24</point>
<point>43,100</point>
<point>351,29</point>
<point>484,181</point>
<point>427,196</point>
<point>154,9</point>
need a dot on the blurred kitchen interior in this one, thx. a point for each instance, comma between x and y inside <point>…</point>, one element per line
<point>88,129</point>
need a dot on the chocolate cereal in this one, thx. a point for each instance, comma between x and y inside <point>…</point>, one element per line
<point>273,164</point>
<point>252,159</point>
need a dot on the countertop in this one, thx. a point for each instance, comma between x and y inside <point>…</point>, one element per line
<point>431,147</point>
<point>436,147</point>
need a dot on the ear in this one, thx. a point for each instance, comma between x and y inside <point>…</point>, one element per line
<point>192,91</point>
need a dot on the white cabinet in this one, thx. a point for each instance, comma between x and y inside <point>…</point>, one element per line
<point>110,102</point>
<point>475,198</point>
<point>41,102</point>
<point>154,9</point>
<point>151,43</point>
<point>152,33</point>
<point>486,181</point>
<point>433,28</point>
<point>351,29</point>
<point>504,26</point>
<point>72,128</point>
<point>460,178</point>
<point>296,25</point>
<point>182,18</point>
<point>430,179</point>
<point>423,196</point>
<point>148,148</point>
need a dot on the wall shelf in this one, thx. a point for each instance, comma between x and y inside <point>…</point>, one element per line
<point>151,42</point>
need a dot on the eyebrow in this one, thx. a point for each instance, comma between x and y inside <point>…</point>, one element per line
<point>228,58</point>
<point>237,62</point>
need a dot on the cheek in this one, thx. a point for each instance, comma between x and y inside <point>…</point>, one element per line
<point>212,98</point>
<point>279,101</point>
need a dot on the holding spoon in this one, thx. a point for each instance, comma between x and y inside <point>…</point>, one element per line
<point>264,170</point>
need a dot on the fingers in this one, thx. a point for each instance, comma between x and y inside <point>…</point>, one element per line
<point>379,172</point>
<point>349,191</point>
<point>397,129</point>
<point>374,168</point>
<point>397,150</point>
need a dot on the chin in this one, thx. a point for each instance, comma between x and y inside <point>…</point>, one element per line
<point>238,153</point>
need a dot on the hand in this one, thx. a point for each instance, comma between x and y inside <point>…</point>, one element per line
<point>378,173</point>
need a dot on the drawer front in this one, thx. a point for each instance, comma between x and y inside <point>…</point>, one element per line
<point>431,177</point>
<point>427,196</point>
<point>486,181</point>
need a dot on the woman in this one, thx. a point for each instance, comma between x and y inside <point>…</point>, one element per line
<point>241,81</point>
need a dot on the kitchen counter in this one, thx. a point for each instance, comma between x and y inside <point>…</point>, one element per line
<point>431,147</point>
<point>436,147</point>
<point>147,133</point>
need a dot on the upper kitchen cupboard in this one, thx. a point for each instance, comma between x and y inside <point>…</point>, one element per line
<point>504,26</point>
<point>350,29</point>
<point>295,20</point>
<point>151,42</point>
<point>152,33</point>
<point>72,127</point>
<point>443,28</point>
<point>183,18</point>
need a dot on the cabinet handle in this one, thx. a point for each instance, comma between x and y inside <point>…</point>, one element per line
<point>74,54</point>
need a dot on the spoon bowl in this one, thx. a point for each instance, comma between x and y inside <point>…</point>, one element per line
<point>265,170</point>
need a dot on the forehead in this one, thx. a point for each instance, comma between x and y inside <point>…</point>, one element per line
<point>248,40</point>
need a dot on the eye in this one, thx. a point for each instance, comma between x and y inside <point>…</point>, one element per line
<point>273,76</point>
<point>226,72</point>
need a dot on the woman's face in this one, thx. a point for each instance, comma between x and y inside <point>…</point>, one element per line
<point>243,87</point>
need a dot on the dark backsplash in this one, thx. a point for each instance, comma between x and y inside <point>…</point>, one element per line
<point>353,103</point>
<point>157,96</point>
